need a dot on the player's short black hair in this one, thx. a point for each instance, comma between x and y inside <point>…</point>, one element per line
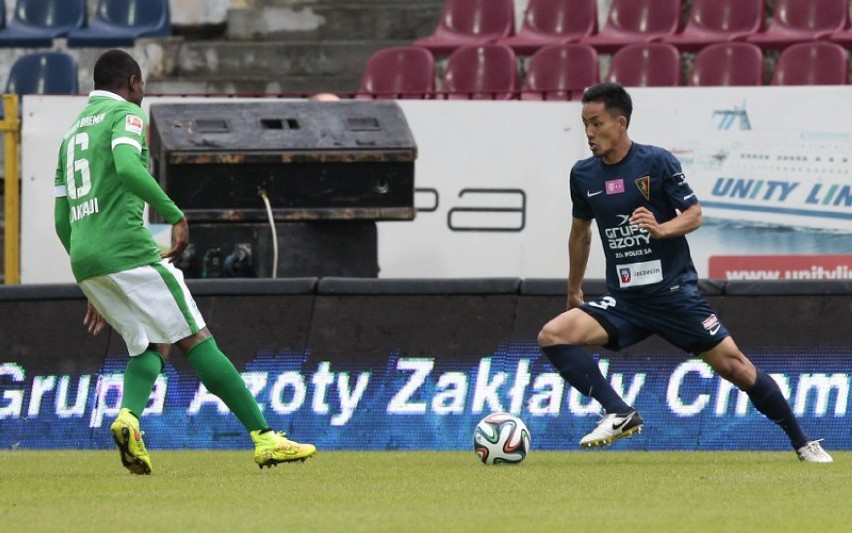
<point>614,97</point>
<point>113,68</point>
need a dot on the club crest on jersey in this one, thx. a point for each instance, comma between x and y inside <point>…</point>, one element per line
<point>614,186</point>
<point>625,275</point>
<point>133,124</point>
<point>644,184</point>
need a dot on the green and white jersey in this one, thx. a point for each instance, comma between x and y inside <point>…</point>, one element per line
<point>103,176</point>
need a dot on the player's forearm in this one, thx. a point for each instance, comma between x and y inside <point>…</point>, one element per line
<point>686,222</point>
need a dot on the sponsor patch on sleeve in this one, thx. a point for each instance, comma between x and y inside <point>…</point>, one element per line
<point>133,124</point>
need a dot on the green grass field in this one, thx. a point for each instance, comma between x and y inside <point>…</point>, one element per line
<point>427,491</point>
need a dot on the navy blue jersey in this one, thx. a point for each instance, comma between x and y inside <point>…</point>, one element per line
<point>650,177</point>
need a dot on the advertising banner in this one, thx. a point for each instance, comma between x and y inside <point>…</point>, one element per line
<point>416,372</point>
<point>491,179</point>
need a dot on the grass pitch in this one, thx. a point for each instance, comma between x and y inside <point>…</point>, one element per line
<point>426,491</point>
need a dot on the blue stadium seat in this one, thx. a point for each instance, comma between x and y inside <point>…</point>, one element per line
<point>35,23</point>
<point>43,73</point>
<point>121,22</point>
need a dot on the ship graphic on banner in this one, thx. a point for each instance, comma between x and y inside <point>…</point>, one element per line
<point>776,178</point>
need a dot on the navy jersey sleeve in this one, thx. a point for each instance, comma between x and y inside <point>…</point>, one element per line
<point>581,208</point>
<point>674,182</point>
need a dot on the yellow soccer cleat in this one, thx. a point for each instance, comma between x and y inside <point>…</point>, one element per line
<point>274,447</point>
<point>128,439</point>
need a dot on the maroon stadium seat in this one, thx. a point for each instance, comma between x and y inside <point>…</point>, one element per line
<point>715,21</point>
<point>560,72</point>
<point>844,37</point>
<point>646,65</point>
<point>635,21</point>
<point>470,22</point>
<point>727,64</point>
<point>399,72</point>
<point>485,72</point>
<point>799,21</point>
<point>554,22</point>
<point>813,63</point>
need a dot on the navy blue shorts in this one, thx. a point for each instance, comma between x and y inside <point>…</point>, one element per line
<point>683,318</point>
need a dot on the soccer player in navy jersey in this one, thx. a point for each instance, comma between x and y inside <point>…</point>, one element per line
<point>644,208</point>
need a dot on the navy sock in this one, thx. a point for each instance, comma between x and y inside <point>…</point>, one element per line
<point>581,371</point>
<point>768,399</point>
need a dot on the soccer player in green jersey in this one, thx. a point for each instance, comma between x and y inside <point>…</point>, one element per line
<point>102,184</point>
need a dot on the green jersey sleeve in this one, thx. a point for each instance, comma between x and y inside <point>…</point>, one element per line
<point>127,148</point>
<point>138,181</point>
<point>61,209</point>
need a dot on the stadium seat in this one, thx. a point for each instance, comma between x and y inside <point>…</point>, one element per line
<point>398,72</point>
<point>121,22</point>
<point>844,37</point>
<point>636,21</point>
<point>470,22</point>
<point>35,23</point>
<point>43,73</point>
<point>560,72</point>
<point>485,72</point>
<point>646,65</point>
<point>813,63</point>
<point>715,21</point>
<point>553,22</point>
<point>727,64</point>
<point>799,21</point>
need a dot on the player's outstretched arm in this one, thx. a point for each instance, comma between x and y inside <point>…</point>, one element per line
<point>689,220</point>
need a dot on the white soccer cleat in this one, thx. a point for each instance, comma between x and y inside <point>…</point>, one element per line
<point>812,452</point>
<point>613,427</point>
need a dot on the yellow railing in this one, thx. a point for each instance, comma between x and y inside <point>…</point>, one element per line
<point>10,126</point>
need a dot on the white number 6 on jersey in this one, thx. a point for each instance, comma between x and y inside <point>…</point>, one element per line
<point>72,166</point>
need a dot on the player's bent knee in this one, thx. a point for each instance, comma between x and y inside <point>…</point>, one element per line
<point>549,335</point>
<point>740,373</point>
<point>544,338</point>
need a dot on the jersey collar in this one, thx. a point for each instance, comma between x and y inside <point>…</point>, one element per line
<point>106,94</point>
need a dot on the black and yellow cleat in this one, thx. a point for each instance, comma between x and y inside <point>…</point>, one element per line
<point>128,439</point>
<point>613,427</point>
<point>273,447</point>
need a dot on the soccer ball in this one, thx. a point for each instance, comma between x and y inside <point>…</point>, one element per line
<point>501,438</point>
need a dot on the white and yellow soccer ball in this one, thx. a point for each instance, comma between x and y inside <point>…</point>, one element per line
<point>501,438</point>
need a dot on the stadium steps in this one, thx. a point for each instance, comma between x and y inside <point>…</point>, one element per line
<point>266,67</point>
<point>287,46</point>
